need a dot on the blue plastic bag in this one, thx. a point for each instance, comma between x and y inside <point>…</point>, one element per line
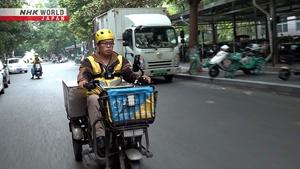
<point>134,103</point>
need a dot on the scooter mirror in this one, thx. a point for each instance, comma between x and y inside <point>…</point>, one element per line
<point>136,64</point>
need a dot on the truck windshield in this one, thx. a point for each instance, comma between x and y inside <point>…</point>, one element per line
<point>155,37</point>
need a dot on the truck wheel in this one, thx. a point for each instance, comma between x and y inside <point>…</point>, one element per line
<point>284,74</point>
<point>2,91</point>
<point>168,78</point>
<point>77,148</point>
<point>213,71</point>
<point>6,84</point>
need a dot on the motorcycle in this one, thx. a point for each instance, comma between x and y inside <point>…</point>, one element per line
<point>248,62</point>
<point>36,70</point>
<point>127,112</point>
<point>286,72</point>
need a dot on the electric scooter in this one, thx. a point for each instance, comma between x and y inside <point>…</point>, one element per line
<point>36,70</point>
<point>232,62</point>
<point>127,111</point>
<point>286,72</point>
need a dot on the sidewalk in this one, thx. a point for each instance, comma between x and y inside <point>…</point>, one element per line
<point>267,81</point>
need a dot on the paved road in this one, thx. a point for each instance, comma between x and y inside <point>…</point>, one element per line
<point>198,125</point>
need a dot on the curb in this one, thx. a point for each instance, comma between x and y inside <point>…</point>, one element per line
<point>284,89</point>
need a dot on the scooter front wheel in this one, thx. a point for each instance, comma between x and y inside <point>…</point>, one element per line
<point>77,148</point>
<point>213,71</point>
<point>284,74</point>
<point>135,164</point>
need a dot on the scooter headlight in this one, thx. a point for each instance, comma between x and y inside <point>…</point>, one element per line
<point>77,133</point>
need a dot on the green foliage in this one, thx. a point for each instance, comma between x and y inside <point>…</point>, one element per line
<point>11,3</point>
<point>178,5</point>
<point>205,2</point>
<point>48,38</point>
<point>44,37</point>
<point>51,37</point>
<point>225,32</point>
<point>12,33</point>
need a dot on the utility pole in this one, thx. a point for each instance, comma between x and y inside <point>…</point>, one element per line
<point>274,32</point>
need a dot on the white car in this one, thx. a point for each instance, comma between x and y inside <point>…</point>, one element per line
<point>16,65</point>
<point>1,84</point>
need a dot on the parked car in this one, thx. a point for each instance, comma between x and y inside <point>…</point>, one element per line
<point>16,65</point>
<point>1,84</point>
<point>5,72</point>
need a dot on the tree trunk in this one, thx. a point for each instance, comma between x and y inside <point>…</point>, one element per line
<point>193,39</point>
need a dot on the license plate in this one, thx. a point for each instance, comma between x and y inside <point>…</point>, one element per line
<point>132,133</point>
<point>159,72</point>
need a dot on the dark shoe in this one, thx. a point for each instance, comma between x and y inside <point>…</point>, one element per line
<point>32,77</point>
<point>101,146</point>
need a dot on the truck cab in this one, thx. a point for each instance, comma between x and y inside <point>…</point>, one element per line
<point>154,48</point>
<point>144,36</point>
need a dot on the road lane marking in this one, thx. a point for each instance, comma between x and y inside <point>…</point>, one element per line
<point>210,102</point>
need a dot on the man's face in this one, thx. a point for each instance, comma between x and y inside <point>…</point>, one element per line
<point>106,47</point>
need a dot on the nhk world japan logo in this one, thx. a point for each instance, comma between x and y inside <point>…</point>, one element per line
<point>34,14</point>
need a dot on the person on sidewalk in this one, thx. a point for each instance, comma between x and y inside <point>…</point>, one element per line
<point>109,68</point>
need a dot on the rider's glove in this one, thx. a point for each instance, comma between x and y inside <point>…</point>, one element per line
<point>143,80</point>
<point>82,84</point>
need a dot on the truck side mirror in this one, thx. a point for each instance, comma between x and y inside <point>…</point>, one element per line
<point>126,38</point>
<point>125,43</point>
<point>136,64</point>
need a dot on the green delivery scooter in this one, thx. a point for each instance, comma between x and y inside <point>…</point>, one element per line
<point>231,62</point>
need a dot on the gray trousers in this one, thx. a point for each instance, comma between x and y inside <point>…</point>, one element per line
<point>94,113</point>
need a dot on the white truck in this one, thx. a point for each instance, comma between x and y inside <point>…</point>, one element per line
<point>144,36</point>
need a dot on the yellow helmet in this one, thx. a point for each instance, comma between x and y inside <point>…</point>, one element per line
<point>104,34</point>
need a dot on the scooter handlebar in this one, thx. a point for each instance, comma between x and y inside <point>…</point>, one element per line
<point>141,81</point>
<point>92,84</point>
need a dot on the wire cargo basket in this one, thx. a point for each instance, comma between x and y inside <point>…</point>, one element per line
<point>125,106</point>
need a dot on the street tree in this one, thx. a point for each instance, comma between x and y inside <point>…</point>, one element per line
<point>193,22</point>
<point>12,33</point>
<point>193,8</point>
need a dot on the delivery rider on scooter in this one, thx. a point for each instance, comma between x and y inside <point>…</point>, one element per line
<point>109,68</point>
<point>35,61</point>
